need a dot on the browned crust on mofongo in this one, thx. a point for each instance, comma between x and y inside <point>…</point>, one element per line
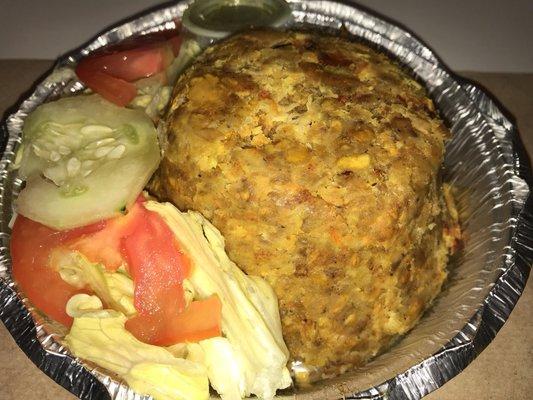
<point>318,159</point>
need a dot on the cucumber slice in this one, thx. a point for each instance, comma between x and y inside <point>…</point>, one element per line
<point>84,160</point>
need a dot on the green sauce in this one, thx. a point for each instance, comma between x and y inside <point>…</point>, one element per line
<point>218,18</point>
<point>234,17</point>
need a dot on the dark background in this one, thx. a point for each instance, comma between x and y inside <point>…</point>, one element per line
<point>471,35</point>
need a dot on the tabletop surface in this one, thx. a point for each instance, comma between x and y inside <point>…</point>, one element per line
<point>502,371</point>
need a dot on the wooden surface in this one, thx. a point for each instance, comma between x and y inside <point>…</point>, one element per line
<point>500,372</point>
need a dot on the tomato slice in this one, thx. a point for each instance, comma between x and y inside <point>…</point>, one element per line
<point>157,266</point>
<point>115,90</point>
<point>201,320</point>
<point>105,246</point>
<point>31,245</point>
<point>109,71</point>
<point>154,259</point>
<point>143,241</point>
<point>130,65</point>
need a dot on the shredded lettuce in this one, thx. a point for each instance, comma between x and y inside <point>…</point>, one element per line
<point>250,359</point>
<point>188,52</point>
<point>114,288</point>
<point>153,96</point>
<point>250,317</point>
<point>100,336</point>
<point>223,366</point>
<point>83,303</point>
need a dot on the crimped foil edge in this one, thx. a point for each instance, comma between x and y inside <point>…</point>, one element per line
<point>504,284</point>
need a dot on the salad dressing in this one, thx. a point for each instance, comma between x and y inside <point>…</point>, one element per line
<point>215,19</point>
<point>235,17</point>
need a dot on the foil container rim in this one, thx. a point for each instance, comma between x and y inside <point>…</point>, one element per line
<point>416,381</point>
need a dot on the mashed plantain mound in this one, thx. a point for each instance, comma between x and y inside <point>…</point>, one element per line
<point>319,160</point>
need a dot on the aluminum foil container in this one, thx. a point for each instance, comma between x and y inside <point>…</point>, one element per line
<point>485,161</point>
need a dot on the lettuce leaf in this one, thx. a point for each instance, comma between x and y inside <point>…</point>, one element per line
<point>100,336</point>
<point>152,95</point>
<point>223,367</point>
<point>250,317</point>
<point>114,288</point>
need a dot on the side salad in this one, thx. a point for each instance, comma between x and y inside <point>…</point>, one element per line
<point>146,291</point>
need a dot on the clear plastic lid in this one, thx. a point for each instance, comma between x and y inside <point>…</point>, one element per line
<point>220,18</point>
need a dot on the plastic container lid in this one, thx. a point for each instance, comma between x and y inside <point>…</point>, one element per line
<point>220,18</point>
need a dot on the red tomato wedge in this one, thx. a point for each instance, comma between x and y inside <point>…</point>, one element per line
<point>110,70</point>
<point>201,320</point>
<point>115,90</point>
<point>105,246</point>
<point>31,245</point>
<point>130,65</point>
<point>154,259</point>
<point>157,266</point>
